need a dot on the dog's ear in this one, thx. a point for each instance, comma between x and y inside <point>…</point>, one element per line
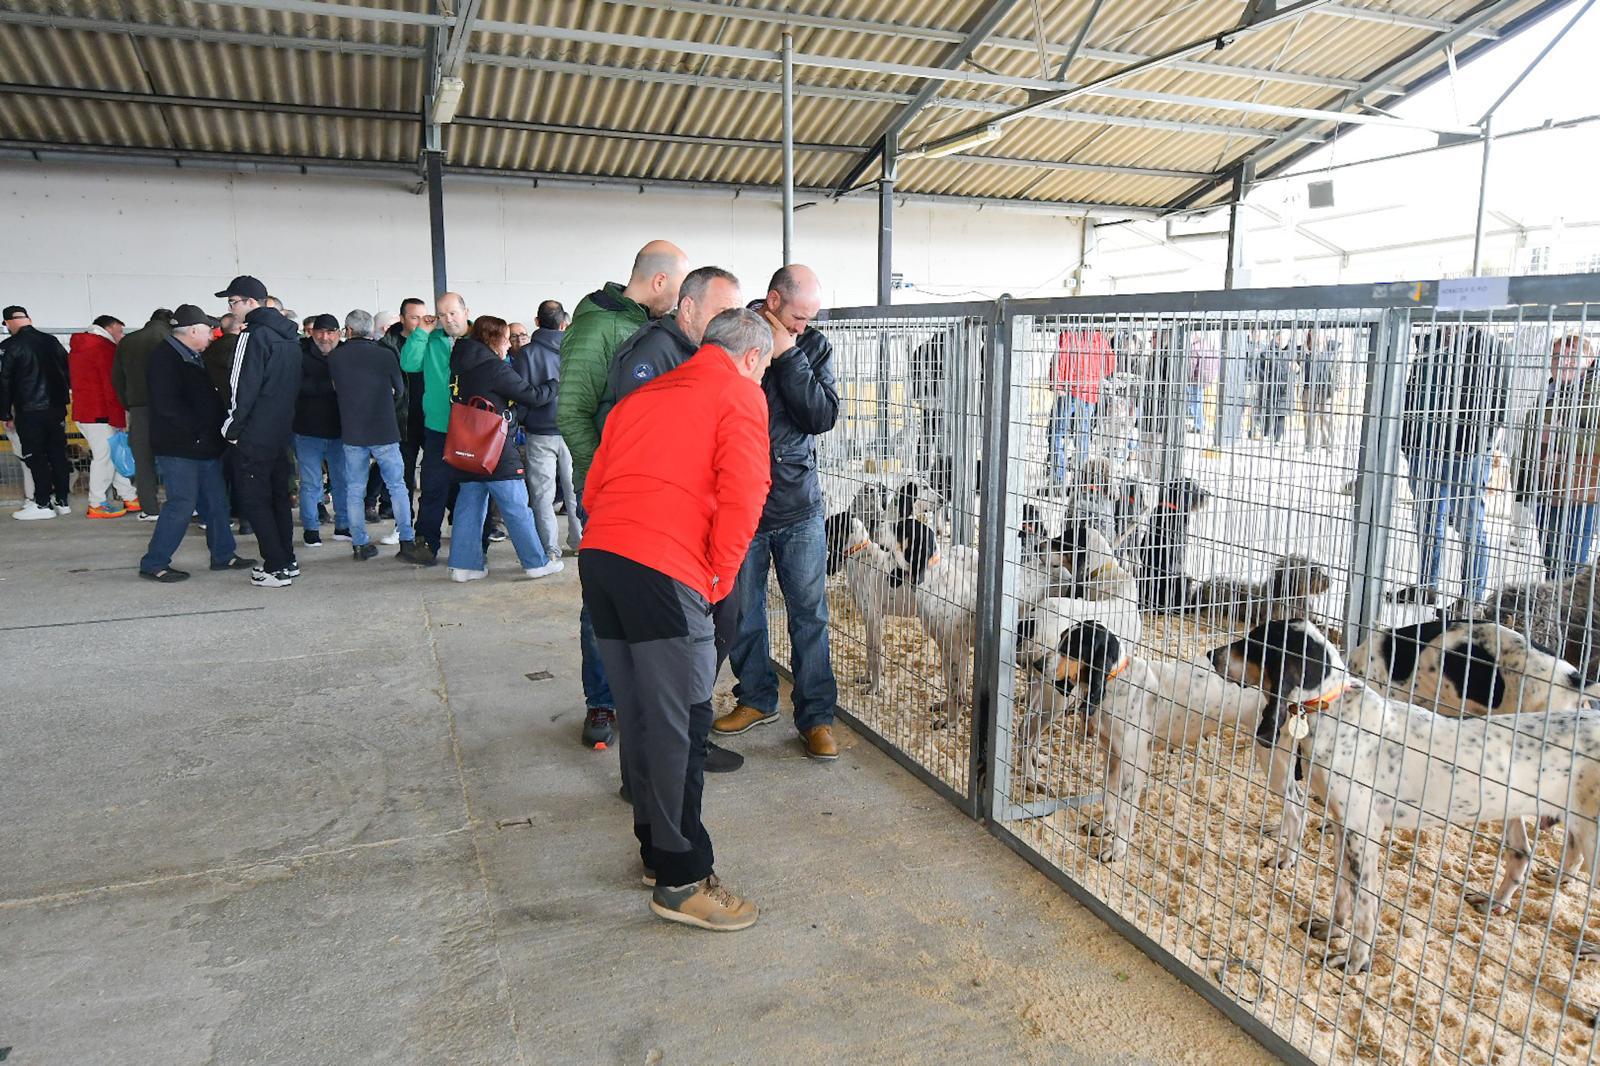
<point>1301,660</point>
<point>836,528</point>
<point>1096,651</point>
<point>905,500</point>
<point>1038,665</point>
<point>918,545</point>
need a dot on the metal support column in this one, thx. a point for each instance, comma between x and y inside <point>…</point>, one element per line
<point>788,147</point>
<point>1173,369</point>
<point>993,677</point>
<point>434,163</point>
<point>1235,236</point>
<point>891,158</point>
<point>1483,197</point>
<point>1377,473</point>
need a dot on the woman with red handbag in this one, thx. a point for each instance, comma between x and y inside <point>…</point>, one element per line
<point>484,461</point>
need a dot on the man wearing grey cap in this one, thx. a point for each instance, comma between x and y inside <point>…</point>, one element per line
<point>265,383</point>
<point>185,434</point>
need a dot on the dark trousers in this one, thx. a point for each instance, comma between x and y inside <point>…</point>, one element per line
<point>144,460</point>
<point>658,640</point>
<point>262,480</point>
<point>42,437</point>
<point>410,452</point>
<point>436,486</point>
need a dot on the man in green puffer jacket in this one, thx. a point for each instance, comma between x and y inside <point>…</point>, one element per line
<point>600,323</point>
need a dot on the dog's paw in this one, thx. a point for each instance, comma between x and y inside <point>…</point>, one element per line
<point>1318,928</point>
<point>1113,849</point>
<point>1585,950</point>
<point>1485,903</point>
<point>1553,876</point>
<point>1352,962</point>
<point>1282,858</point>
<point>1094,827</point>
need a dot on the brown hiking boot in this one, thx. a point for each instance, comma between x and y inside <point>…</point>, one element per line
<point>820,743</point>
<point>741,720</point>
<point>707,904</point>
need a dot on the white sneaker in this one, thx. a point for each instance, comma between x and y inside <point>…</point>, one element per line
<point>468,575</point>
<point>554,566</point>
<point>33,513</point>
<point>146,516</point>
<point>63,509</point>
<point>261,579</point>
<point>392,538</point>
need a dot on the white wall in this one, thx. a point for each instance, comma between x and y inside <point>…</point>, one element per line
<point>93,239</point>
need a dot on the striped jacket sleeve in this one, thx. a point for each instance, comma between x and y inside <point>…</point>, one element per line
<point>245,382</point>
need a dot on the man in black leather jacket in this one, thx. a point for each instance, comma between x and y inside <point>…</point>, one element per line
<point>802,402</point>
<point>34,386</point>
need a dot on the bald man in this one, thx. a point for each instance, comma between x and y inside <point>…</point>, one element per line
<point>428,350</point>
<point>802,402</point>
<point>600,323</point>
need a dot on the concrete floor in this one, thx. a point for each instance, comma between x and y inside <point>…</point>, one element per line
<point>340,823</point>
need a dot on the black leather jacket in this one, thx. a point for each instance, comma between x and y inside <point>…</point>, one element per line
<point>802,401</point>
<point>33,374</point>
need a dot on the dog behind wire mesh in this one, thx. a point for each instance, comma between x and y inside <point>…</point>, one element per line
<point>1290,590</point>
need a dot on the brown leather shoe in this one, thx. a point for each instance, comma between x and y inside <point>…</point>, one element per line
<point>741,720</point>
<point>820,743</point>
<point>707,904</point>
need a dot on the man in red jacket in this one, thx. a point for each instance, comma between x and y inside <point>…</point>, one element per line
<point>673,497</point>
<point>98,414</point>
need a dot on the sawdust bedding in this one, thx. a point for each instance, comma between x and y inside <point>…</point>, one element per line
<point>1448,984</point>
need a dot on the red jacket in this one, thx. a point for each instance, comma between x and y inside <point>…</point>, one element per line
<point>89,363</point>
<point>1083,360</point>
<point>682,474</point>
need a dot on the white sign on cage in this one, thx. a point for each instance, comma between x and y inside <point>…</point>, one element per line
<point>1474,294</point>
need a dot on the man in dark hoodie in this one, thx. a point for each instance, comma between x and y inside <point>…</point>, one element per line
<point>317,436</point>
<point>544,454</point>
<point>802,402</point>
<point>129,372</point>
<point>265,383</point>
<point>602,321</point>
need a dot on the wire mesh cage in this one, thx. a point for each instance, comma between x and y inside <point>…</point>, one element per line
<point>1279,619</point>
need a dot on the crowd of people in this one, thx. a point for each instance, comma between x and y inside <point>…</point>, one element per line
<point>671,422</point>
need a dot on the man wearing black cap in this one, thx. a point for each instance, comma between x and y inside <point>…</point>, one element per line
<point>265,383</point>
<point>185,419</point>
<point>34,386</point>
<point>316,433</point>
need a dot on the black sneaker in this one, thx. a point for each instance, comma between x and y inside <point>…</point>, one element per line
<point>312,537</point>
<point>363,552</point>
<point>322,513</point>
<point>421,555</point>
<point>238,562</point>
<point>341,534</point>
<point>497,534</point>
<point>721,760</point>
<point>372,514</point>
<point>166,575</point>
<point>599,725</point>
<point>263,580</point>
<point>246,529</point>
<point>385,514</point>
<point>293,569</point>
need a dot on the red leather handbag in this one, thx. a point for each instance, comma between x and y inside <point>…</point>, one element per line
<point>476,437</point>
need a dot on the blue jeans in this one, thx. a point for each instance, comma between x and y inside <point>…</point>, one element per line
<point>1449,494</point>
<point>472,507</point>
<point>310,453</point>
<point>799,552</point>
<point>192,485</point>
<point>1060,426</point>
<point>1566,529</point>
<point>392,469</point>
<point>1197,414</point>
<point>596,689</point>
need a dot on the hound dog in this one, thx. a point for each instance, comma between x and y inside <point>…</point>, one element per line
<point>1379,764</point>
<point>1562,614</point>
<point>1131,704</point>
<point>876,581</point>
<point>1289,591</point>
<point>1468,668</point>
<point>1163,548</point>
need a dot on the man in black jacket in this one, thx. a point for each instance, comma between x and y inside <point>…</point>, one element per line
<point>129,370</point>
<point>368,381</point>
<point>186,416</point>
<point>544,452</point>
<point>412,313</point>
<point>317,436</point>
<point>265,383</point>
<point>34,386</point>
<point>801,402</point>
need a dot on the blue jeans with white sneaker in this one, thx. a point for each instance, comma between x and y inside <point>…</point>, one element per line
<point>472,507</point>
<point>392,469</point>
<point>309,452</point>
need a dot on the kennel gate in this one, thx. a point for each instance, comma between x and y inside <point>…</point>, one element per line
<point>1288,406</point>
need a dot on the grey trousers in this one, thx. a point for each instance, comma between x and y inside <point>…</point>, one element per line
<point>542,456</point>
<point>658,642</point>
<point>144,460</point>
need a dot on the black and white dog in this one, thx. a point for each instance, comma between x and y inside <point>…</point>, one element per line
<point>1290,590</point>
<point>1463,667</point>
<point>1163,548</point>
<point>1379,764</point>
<point>1132,705</point>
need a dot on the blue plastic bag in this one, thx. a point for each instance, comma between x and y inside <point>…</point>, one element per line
<point>122,453</point>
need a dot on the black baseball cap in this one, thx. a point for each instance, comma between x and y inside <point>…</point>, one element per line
<point>15,311</point>
<point>246,286</point>
<point>325,322</point>
<point>190,315</point>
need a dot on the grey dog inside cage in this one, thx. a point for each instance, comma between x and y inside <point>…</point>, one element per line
<point>1025,496</point>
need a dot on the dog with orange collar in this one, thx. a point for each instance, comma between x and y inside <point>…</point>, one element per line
<point>1132,705</point>
<point>1379,764</point>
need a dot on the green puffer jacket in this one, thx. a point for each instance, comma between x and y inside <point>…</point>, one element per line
<point>429,352</point>
<point>600,323</point>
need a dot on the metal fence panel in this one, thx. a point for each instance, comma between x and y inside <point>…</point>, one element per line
<point>1179,470</point>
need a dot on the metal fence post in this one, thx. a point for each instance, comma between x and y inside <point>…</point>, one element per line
<point>993,680</point>
<point>963,404</point>
<point>1174,402</point>
<point>1377,473</point>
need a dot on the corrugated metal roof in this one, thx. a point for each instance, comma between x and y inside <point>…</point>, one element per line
<point>636,100</point>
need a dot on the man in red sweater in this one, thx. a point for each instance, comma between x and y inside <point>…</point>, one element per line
<point>673,497</point>
<point>98,414</point>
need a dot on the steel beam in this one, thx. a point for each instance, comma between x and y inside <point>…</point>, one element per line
<point>1395,18</point>
<point>1483,196</point>
<point>1077,40</point>
<point>788,147</point>
<point>324,9</point>
<point>434,164</point>
<point>455,51</point>
<point>206,36</point>
<point>891,152</point>
<point>975,34</point>
<point>1549,46</point>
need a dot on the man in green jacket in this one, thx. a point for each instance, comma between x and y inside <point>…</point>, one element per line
<point>428,350</point>
<point>600,323</point>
